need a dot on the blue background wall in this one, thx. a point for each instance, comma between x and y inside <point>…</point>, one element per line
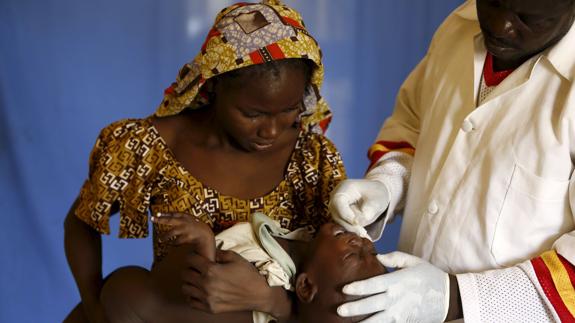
<point>70,67</point>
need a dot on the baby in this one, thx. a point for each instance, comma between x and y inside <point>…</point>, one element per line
<point>314,270</point>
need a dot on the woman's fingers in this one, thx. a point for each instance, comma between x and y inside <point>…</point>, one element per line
<point>199,305</point>
<point>198,263</point>
<point>193,292</point>
<point>179,239</point>
<point>171,215</point>
<point>170,218</point>
<point>180,226</point>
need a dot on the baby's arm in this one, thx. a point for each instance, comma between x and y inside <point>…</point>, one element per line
<point>183,229</point>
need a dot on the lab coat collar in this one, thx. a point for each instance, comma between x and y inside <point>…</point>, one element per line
<point>467,10</point>
<point>561,55</point>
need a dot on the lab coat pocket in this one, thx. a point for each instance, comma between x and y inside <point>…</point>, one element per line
<point>534,214</point>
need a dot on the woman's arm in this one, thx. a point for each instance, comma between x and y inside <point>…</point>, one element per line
<point>232,284</point>
<point>218,281</point>
<point>83,249</point>
<point>184,235</point>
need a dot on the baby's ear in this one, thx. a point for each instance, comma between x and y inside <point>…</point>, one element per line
<point>305,288</point>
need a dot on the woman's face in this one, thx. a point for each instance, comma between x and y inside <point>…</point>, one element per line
<point>255,112</point>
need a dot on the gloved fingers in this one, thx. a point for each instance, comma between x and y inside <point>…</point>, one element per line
<point>381,317</point>
<point>398,259</point>
<point>368,305</point>
<point>341,206</point>
<point>373,285</point>
<point>370,211</point>
<point>356,211</point>
<point>357,229</point>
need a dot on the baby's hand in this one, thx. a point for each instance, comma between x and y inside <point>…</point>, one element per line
<point>182,228</point>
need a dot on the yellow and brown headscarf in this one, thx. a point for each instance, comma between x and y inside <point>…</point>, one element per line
<point>246,34</point>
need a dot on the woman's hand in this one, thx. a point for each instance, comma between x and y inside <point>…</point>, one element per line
<point>185,236</point>
<point>182,228</point>
<point>231,284</point>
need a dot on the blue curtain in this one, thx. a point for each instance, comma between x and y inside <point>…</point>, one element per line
<point>70,67</point>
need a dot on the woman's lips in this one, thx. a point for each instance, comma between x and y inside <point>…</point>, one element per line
<point>261,146</point>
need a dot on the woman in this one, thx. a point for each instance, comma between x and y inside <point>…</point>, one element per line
<point>240,131</point>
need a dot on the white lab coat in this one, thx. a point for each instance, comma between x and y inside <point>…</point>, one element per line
<point>491,185</point>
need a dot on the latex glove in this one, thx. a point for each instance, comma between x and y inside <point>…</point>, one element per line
<point>418,292</point>
<point>358,202</point>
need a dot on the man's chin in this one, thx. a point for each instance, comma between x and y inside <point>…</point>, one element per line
<point>504,53</point>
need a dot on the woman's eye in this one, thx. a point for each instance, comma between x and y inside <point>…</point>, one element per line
<point>292,109</point>
<point>252,115</point>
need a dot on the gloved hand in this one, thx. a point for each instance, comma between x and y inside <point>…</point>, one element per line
<point>418,292</point>
<point>359,202</point>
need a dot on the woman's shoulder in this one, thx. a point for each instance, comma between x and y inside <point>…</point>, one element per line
<point>127,128</point>
<point>315,151</point>
<point>130,137</point>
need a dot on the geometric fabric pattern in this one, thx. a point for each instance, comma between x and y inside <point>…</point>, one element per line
<point>133,170</point>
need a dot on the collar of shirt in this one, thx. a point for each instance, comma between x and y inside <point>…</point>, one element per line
<point>492,77</point>
<point>467,10</point>
<point>561,55</point>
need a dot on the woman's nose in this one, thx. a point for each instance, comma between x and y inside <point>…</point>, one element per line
<point>269,129</point>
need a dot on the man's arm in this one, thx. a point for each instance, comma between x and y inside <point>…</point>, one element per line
<point>536,290</point>
<point>383,191</point>
<point>544,286</point>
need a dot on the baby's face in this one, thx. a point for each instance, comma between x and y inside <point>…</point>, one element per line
<point>338,258</point>
<point>344,256</point>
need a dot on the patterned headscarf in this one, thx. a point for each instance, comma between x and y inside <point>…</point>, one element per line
<point>246,34</point>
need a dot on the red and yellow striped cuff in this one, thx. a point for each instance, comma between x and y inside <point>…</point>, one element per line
<point>382,147</point>
<point>557,278</point>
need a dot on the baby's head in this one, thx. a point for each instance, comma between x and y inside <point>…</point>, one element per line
<point>335,258</point>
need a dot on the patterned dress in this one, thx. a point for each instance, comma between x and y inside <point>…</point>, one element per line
<point>131,166</point>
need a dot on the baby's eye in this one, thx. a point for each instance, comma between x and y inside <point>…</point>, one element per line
<point>339,232</point>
